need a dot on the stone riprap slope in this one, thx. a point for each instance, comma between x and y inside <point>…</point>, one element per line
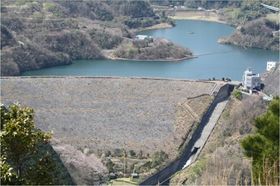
<point>109,113</point>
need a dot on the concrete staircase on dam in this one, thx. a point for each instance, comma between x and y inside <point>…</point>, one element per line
<point>198,139</point>
<point>198,146</point>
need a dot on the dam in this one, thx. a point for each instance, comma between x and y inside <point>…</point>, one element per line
<point>106,113</point>
<point>197,141</point>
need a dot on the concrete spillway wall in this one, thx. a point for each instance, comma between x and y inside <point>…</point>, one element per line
<point>163,176</point>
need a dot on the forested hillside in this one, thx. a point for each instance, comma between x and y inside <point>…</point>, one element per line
<point>38,34</point>
<point>155,49</point>
<point>260,33</point>
<point>256,25</point>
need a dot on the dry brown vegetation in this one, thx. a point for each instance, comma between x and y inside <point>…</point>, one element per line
<point>260,33</point>
<point>271,81</point>
<point>84,168</point>
<point>222,161</point>
<point>152,49</point>
<point>40,34</point>
<point>198,15</point>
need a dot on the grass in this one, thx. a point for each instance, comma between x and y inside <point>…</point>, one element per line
<point>123,181</point>
<point>273,17</point>
<point>190,173</point>
<point>49,6</point>
<point>221,160</point>
<point>197,15</point>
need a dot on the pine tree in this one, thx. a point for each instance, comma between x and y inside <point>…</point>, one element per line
<point>263,146</point>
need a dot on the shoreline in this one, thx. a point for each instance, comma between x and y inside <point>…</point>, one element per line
<point>154,27</point>
<point>198,19</point>
<point>197,16</point>
<point>153,60</point>
<point>110,77</point>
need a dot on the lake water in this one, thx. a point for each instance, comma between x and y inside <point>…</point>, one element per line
<point>215,60</point>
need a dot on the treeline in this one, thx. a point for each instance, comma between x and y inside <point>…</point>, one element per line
<point>209,4</point>
<point>39,34</point>
<point>235,12</point>
<point>263,146</point>
<point>260,33</point>
<point>152,49</point>
<point>247,11</point>
<point>132,162</point>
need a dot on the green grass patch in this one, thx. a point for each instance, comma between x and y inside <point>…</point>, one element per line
<point>23,2</point>
<point>49,6</point>
<point>124,181</point>
<point>273,18</point>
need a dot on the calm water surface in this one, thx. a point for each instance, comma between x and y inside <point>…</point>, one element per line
<point>215,60</point>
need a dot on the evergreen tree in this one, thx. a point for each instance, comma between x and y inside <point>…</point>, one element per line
<point>263,146</point>
<point>21,159</point>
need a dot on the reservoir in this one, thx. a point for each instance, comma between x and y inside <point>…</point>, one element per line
<point>214,59</point>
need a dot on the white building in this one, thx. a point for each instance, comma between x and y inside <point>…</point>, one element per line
<point>251,81</point>
<point>200,8</point>
<point>270,65</point>
<point>142,37</point>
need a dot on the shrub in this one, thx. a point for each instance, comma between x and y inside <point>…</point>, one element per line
<point>108,153</point>
<point>49,6</point>
<point>38,17</point>
<point>110,165</point>
<point>118,153</point>
<point>131,153</point>
<point>140,154</point>
<point>105,40</point>
<point>158,158</point>
<point>237,94</point>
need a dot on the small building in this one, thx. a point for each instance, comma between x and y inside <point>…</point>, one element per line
<point>251,81</point>
<point>201,9</point>
<point>142,37</point>
<point>270,65</point>
<point>112,175</point>
<point>134,175</point>
<point>267,98</point>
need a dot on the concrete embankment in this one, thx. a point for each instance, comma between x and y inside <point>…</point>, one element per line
<point>163,176</point>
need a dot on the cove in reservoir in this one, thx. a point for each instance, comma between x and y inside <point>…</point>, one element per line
<point>214,59</point>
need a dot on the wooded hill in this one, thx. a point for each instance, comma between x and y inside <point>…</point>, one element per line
<point>39,34</point>
<point>257,26</point>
